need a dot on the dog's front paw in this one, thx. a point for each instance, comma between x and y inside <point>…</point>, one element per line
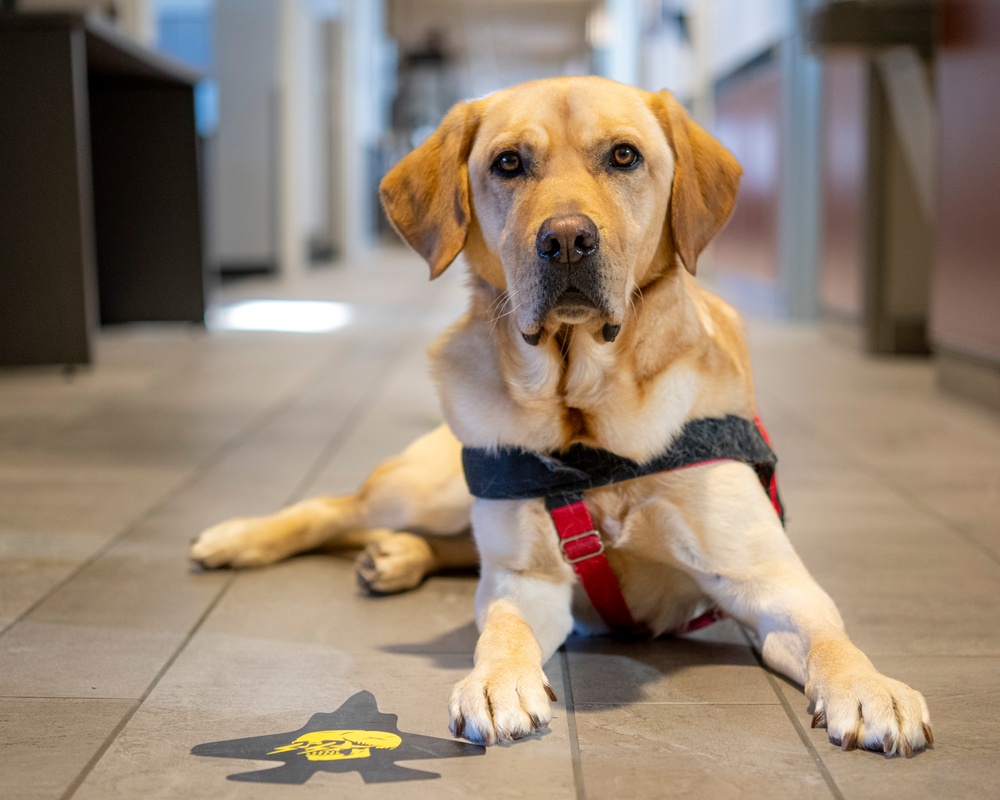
<point>243,542</point>
<point>860,707</point>
<point>501,701</point>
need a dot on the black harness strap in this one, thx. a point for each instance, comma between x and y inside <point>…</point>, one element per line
<point>510,473</point>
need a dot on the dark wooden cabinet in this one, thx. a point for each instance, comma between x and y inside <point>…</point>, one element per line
<point>100,206</point>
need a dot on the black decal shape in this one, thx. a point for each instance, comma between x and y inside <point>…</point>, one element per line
<point>355,737</point>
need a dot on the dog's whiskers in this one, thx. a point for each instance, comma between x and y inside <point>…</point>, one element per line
<point>499,300</point>
<point>507,299</point>
<point>631,296</point>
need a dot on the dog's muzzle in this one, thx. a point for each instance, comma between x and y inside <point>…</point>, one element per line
<point>569,249</point>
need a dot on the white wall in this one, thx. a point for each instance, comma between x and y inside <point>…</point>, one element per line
<point>743,28</point>
<point>363,85</point>
<point>275,182</point>
<point>248,156</point>
<point>623,21</point>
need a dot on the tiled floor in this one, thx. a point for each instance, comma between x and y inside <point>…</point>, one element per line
<point>116,659</point>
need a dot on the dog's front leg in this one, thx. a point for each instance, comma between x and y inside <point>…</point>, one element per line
<point>523,612</point>
<point>735,547</point>
<point>801,635</point>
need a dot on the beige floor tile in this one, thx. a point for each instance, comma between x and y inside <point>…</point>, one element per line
<point>227,686</point>
<point>45,744</point>
<point>965,496</point>
<point>962,694</point>
<point>31,564</point>
<point>666,671</point>
<point>42,495</point>
<point>52,520</point>
<point>316,599</point>
<point>109,630</point>
<point>909,592</point>
<point>54,659</point>
<point>696,751</point>
<point>406,407</point>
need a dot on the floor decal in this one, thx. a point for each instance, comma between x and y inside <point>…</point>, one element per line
<point>355,737</point>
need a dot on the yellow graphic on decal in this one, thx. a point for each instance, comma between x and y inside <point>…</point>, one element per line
<point>338,745</point>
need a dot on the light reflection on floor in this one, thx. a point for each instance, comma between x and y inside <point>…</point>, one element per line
<point>287,316</point>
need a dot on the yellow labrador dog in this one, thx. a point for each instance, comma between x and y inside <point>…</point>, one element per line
<point>581,206</point>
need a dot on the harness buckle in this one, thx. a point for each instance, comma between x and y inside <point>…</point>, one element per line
<point>576,538</point>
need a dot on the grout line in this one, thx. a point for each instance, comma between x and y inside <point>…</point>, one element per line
<point>260,421</point>
<point>956,528</point>
<point>907,495</point>
<point>630,703</point>
<point>337,437</point>
<point>60,697</point>
<point>806,741</point>
<point>574,741</point>
<point>347,425</point>
<point>831,784</point>
<point>110,739</point>
<point>102,749</point>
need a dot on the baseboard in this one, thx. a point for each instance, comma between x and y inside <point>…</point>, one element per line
<point>238,269</point>
<point>844,329</point>
<point>904,336</point>
<point>901,336</point>
<point>972,377</point>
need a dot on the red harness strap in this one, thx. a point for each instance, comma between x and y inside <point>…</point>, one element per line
<point>771,487</point>
<point>583,549</point>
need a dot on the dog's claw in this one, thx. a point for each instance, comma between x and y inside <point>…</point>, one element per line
<point>907,748</point>
<point>819,719</point>
<point>459,727</point>
<point>928,733</point>
<point>550,693</point>
<point>849,742</point>
<point>887,744</point>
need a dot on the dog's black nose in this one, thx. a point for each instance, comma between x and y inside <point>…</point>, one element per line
<point>567,239</point>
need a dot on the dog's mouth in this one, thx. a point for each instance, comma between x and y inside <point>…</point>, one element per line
<point>571,301</point>
<point>574,304</point>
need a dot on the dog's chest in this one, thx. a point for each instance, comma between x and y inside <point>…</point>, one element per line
<point>606,408</point>
<point>620,514</point>
<point>659,593</point>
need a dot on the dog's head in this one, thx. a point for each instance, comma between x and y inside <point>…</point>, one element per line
<point>567,193</point>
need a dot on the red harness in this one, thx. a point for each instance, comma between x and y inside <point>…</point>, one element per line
<point>517,474</point>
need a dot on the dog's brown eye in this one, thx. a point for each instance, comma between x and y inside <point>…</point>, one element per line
<point>624,156</point>
<point>508,164</point>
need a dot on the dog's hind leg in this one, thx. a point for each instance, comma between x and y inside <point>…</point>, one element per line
<point>421,490</point>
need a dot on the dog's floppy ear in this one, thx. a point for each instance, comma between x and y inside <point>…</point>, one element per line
<point>426,195</point>
<point>706,179</point>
